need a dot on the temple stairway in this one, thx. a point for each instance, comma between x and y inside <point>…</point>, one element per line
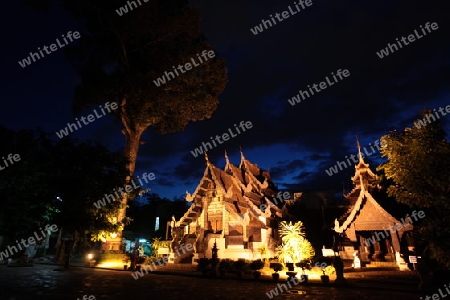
<point>186,257</point>
<point>382,264</point>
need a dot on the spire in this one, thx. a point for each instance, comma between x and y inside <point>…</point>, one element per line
<point>242,164</point>
<point>227,160</point>
<point>206,157</point>
<point>359,150</point>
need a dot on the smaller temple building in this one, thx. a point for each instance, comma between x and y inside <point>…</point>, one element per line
<point>369,231</point>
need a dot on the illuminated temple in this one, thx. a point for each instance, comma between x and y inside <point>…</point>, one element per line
<point>365,224</point>
<point>234,208</point>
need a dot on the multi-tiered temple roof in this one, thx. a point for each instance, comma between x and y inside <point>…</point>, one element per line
<point>247,191</point>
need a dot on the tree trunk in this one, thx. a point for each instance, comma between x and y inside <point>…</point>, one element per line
<point>70,250</point>
<point>131,152</point>
<point>133,133</point>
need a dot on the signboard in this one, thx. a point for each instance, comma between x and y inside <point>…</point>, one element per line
<point>413,259</point>
<point>163,251</point>
<point>327,252</point>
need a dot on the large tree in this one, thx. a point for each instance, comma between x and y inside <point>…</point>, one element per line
<point>418,164</point>
<point>118,58</point>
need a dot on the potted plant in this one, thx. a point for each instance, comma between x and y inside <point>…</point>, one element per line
<point>240,267</point>
<point>276,267</point>
<point>325,278</point>
<point>290,266</point>
<point>257,265</point>
<point>304,265</point>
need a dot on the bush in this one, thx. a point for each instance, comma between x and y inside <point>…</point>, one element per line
<point>256,265</point>
<point>276,267</point>
<point>305,265</point>
<point>203,264</point>
<point>240,265</point>
<point>329,270</point>
<point>151,259</point>
<point>225,264</point>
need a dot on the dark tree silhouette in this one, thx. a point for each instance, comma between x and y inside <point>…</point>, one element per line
<point>118,58</point>
<point>419,166</point>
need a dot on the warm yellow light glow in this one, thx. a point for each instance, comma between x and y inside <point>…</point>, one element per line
<point>113,235</point>
<point>90,256</point>
<point>295,247</point>
<point>111,264</point>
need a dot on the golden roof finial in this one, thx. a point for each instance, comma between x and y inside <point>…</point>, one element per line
<point>359,149</point>
<point>227,160</point>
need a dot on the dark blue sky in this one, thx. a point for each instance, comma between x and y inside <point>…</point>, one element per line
<point>298,143</point>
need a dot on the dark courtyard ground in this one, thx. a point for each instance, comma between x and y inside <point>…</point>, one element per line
<point>43,282</point>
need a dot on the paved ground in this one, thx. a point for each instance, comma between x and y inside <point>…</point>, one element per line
<point>43,282</point>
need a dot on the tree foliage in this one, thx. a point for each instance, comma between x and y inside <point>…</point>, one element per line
<point>57,182</point>
<point>83,173</point>
<point>26,195</point>
<point>418,165</point>
<point>294,245</point>
<point>119,57</point>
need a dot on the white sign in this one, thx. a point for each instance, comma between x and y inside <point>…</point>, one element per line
<point>413,259</point>
<point>327,252</point>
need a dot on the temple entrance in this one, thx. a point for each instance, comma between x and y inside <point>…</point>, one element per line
<point>372,249</point>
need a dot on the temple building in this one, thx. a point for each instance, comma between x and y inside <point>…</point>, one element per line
<point>369,231</point>
<point>236,208</point>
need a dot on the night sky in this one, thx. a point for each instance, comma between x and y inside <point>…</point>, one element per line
<point>297,143</point>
